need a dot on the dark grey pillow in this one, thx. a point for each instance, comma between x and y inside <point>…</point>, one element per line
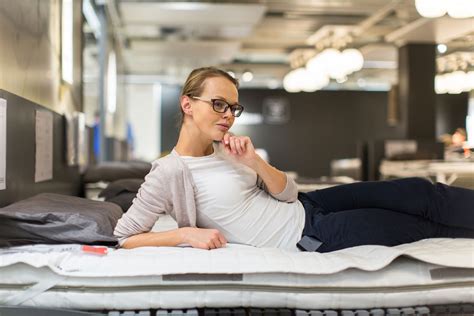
<point>122,192</point>
<point>123,199</point>
<point>115,170</point>
<point>120,186</point>
<point>50,218</point>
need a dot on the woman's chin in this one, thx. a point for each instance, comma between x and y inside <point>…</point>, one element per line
<point>218,138</point>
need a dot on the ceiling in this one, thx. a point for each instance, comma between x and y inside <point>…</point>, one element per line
<point>164,40</point>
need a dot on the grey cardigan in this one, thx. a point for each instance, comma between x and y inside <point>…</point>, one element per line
<point>169,189</point>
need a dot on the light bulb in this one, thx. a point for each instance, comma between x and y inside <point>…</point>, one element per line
<point>431,8</point>
<point>315,65</point>
<point>470,80</point>
<point>247,76</point>
<point>460,9</point>
<point>288,84</point>
<point>352,59</point>
<point>442,48</point>
<point>440,84</point>
<point>455,82</point>
<point>328,58</point>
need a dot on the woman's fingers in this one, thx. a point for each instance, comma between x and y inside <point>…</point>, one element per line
<point>222,240</point>
<point>233,147</point>
<point>226,138</point>
<point>217,240</point>
<point>236,145</point>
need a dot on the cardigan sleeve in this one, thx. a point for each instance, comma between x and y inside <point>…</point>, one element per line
<point>153,199</point>
<point>289,193</point>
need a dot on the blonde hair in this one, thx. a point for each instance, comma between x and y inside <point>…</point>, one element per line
<point>194,84</point>
<point>461,131</point>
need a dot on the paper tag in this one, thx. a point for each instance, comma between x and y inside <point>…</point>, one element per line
<point>44,146</point>
<point>96,250</point>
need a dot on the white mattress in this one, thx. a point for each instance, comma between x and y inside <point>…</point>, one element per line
<point>428,272</point>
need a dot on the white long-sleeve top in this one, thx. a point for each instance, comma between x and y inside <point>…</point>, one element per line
<point>228,199</point>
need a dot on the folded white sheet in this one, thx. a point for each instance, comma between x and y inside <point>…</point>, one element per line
<point>241,259</point>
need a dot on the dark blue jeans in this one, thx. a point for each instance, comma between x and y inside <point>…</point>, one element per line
<point>387,213</point>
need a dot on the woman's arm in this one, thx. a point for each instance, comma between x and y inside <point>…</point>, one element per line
<point>152,200</point>
<point>242,150</point>
<point>274,179</point>
<point>195,237</point>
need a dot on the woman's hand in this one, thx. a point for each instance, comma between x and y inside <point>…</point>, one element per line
<point>241,149</point>
<point>203,238</point>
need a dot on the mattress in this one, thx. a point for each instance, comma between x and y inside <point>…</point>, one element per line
<point>428,272</point>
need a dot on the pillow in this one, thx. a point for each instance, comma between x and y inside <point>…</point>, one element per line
<point>119,186</point>
<point>50,218</point>
<point>123,199</point>
<point>122,192</point>
<point>115,170</point>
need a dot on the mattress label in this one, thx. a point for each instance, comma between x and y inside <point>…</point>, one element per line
<point>451,273</point>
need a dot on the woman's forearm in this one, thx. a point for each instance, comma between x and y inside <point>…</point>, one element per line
<point>169,238</point>
<point>274,179</point>
<point>195,237</point>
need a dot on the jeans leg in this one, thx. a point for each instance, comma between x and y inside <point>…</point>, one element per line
<point>452,206</point>
<point>357,227</point>
<point>415,196</point>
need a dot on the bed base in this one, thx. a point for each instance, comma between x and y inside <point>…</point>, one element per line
<point>438,310</point>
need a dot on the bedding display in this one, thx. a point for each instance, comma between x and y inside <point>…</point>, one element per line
<point>428,272</point>
<point>50,218</point>
<point>122,192</point>
<point>110,171</point>
<point>98,177</point>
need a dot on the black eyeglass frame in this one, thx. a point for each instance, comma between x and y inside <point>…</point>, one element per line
<point>231,106</point>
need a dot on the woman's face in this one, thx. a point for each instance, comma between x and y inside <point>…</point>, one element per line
<point>211,123</point>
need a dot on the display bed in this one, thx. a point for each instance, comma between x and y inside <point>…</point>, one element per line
<point>426,273</point>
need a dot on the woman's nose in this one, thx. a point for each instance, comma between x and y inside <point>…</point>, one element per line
<point>227,112</point>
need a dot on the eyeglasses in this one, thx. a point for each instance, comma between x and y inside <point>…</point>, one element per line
<point>221,106</point>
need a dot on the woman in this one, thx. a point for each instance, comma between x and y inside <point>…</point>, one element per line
<point>218,190</point>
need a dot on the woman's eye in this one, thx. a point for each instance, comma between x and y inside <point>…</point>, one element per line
<point>220,104</point>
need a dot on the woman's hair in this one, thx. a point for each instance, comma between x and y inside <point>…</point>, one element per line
<point>461,131</point>
<point>194,84</point>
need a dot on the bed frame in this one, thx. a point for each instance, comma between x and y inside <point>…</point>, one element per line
<point>463,309</point>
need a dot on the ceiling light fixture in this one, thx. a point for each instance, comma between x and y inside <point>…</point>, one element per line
<point>430,8</point>
<point>247,76</point>
<point>459,9</point>
<point>330,63</point>
<point>454,82</point>
<point>442,48</point>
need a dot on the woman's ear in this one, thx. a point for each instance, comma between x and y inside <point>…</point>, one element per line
<point>186,105</point>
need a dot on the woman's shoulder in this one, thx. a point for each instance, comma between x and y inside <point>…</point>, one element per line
<point>169,165</point>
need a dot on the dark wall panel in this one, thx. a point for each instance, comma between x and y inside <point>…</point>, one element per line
<point>323,126</point>
<point>20,164</point>
<point>451,112</point>
<point>417,98</point>
<point>169,116</point>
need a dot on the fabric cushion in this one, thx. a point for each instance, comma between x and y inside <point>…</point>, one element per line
<point>123,199</point>
<point>119,186</point>
<point>122,192</point>
<point>51,218</point>
<point>114,170</point>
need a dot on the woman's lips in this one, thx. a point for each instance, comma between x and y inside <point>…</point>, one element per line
<point>222,127</point>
